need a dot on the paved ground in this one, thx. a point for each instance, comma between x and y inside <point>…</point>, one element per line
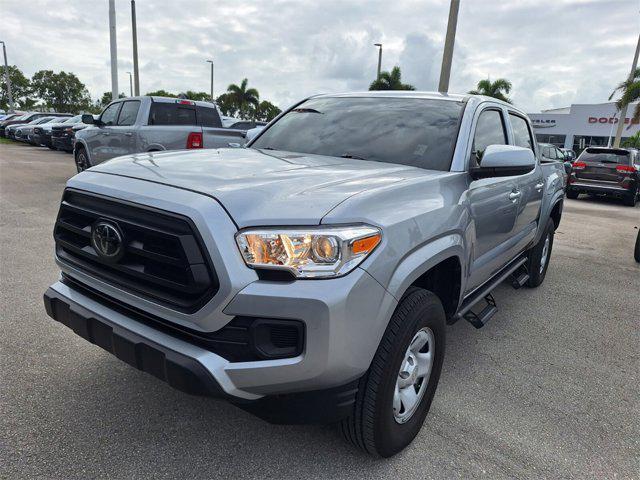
<point>550,388</point>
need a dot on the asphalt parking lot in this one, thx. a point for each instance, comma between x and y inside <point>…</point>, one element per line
<point>550,388</point>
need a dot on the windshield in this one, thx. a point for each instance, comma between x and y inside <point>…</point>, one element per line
<point>75,119</point>
<point>406,131</point>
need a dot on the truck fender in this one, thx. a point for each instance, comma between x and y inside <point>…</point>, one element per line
<point>425,257</point>
<point>81,142</point>
<point>155,147</point>
<point>545,212</point>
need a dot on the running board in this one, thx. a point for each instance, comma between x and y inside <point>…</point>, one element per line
<point>484,293</point>
<point>519,279</point>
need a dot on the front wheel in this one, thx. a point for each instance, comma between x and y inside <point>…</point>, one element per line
<point>82,162</point>
<point>540,255</point>
<point>395,394</point>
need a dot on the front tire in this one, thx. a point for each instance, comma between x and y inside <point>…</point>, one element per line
<point>395,394</point>
<point>82,161</point>
<point>540,255</point>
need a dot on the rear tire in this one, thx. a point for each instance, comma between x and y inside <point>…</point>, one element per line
<point>572,194</point>
<point>631,200</point>
<point>540,255</point>
<point>636,252</point>
<point>386,415</point>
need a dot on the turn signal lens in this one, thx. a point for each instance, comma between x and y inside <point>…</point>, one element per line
<point>314,252</point>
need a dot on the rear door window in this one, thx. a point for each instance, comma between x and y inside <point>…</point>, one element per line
<point>129,113</point>
<point>521,133</point>
<point>110,114</point>
<point>163,113</point>
<point>208,117</point>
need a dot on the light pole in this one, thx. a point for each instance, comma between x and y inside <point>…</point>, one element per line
<point>379,45</point>
<point>130,85</point>
<point>212,97</point>
<point>134,30</point>
<point>447,55</point>
<point>6,76</point>
<point>113,49</point>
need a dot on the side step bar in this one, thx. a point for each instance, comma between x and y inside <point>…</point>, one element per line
<point>484,292</point>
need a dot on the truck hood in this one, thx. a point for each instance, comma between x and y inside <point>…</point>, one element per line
<point>260,187</point>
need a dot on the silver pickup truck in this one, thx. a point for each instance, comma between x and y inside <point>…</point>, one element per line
<point>151,124</point>
<point>310,276</point>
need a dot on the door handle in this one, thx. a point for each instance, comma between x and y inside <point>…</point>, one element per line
<point>514,196</point>
<point>128,134</point>
<point>539,186</point>
<point>106,134</point>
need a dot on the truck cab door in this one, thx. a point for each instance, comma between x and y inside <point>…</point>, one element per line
<point>530,185</point>
<point>99,139</point>
<point>124,134</point>
<point>493,204</point>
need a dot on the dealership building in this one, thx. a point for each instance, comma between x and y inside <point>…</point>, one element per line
<point>582,125</point>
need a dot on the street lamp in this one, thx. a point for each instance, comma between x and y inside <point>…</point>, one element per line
<point>130,84</point>
<point>211,62</point>
<point>6,75</point>
<point>379,45</point>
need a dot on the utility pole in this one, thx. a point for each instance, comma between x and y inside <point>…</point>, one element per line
<point>113,49</point>
<point>6,76</point>
<point>212,97</point>
<point>134,29</point>
<point>379,45</point>
<point>130,85</point>
<point>447,56</point>
<point>623,110</point>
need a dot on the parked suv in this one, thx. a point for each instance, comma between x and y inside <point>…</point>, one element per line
<point>606,171</point>
<point>150,124</point>
<point>310,276</point>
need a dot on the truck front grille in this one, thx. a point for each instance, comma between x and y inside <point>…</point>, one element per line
<point>160,255</point>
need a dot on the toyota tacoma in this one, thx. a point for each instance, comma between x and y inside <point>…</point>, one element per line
<point>310,276</point>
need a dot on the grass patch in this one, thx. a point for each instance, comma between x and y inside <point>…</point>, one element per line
<point>5,140</point>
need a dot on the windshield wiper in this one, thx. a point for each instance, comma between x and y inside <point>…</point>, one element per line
<point>306,110</point>
<point>349,155</point>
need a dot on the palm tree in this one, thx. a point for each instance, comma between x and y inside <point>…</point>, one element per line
<point>633,141</point>
<point>494,89</point>
<point>390,81</point>
<point>243,98</point>
<point>630,90</point>
<point>265,111</point>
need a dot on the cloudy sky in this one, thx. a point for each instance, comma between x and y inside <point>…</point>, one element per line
<point>555,52</point>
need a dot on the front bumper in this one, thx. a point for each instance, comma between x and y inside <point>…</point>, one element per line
<point>62,143</point>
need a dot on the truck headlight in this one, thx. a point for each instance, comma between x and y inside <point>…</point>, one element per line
<point>308,252</point>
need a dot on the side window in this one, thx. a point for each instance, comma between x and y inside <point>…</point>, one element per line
<point>110,114</point>
<point>129,113</point>
<point>489,131</point>
<point>163,113</point>
<point>521,133</point>
<point>208,117</point>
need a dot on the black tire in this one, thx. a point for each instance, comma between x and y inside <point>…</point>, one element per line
<point>631,199</point>
<point>537,271</point>
<point>82,162</point>
<point>372,426</point>
<point>636,252</point>
<point>572,194</point>
<point>51,147</point>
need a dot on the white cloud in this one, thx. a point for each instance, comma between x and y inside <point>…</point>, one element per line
<point>554,51</point>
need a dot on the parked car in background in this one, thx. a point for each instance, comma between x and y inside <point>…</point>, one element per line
<point>310,277</point>
<point>23,132</point>
<point>42,133</point>
<point>9,116</point>
<point>151,124</point>
<point>569,154</point>
<point>606,171</point>
<point>63,136</point>
<point>247,124</point>
<point>26,118</point>
<point>551,153</point>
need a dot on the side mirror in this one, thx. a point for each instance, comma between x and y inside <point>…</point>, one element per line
<point>504,161</point>
<point>88,118</point>
<point>252,133</point>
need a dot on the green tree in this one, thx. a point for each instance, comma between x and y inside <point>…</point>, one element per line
<point>633,141</point>
<point>64,92</point>
<point>20,89</point>
<point>197,96</point>
<point>226,105</point>
<point>265,111</point>
<point>630,92</point>
<point>244,99</point>
<point>161,93</point>
<point>106,98</point>
<point>390,81</point>
<point>499,89</point>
